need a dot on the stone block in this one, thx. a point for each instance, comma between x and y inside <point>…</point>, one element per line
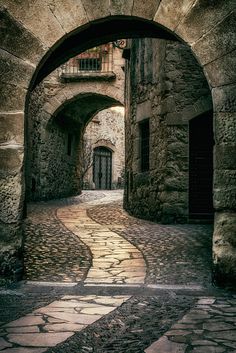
<point>225,229</point>
<point>70,13</point>
<point>12,97</point>
<point>225,127</point>
<point>11,158</point>
<point>203,16</point>
<point>14,70</point>
<point>224,98</point>
<point>224,178</point>
<point>27,46</point>
<point>225,198</point>
<point>140,8</point>
<point>175,118</point>
<point>178,183</point>
<point>11,205</point>
<point>121,7</point>
<point>12,128</point>
<point>96,8</point>
<point>164,345</point>
<point>37,18</point>
<point>224,249</point>
<point>222,71</point>
<point>225,156</point>
<point>170,12</point>
<point>172,198</point>
<point>10,235</point>
<point>144,110</point>
<point>218,42</point>
<point>11,264</point>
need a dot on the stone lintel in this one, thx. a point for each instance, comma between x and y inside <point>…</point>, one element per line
<point>144,111</point>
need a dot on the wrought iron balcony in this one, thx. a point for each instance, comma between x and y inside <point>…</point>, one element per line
<point>95,63</point>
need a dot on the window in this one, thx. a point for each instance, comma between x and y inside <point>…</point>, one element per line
<point>89,64</point>
<point>144,145</point>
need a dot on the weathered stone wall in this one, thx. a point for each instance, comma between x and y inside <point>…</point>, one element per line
<point>168,87</point>
<point>107,129</point>
<point>50,171</point>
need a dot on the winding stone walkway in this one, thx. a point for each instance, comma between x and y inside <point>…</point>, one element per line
<point>115,260</point>
<point>50,325</point>
<point>113,300</point>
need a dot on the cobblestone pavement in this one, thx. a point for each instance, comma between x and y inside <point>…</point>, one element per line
<point>179,254</point>
<point>210,327</point>
<point>52,252</point>
<point>113,311</point>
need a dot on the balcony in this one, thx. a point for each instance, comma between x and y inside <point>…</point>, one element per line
<point>93,64</point>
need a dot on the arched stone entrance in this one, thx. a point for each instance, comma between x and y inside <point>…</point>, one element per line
<point>36,32</point>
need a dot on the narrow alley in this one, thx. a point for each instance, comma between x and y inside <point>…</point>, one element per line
<point>99,280</point>
<point>118,176</point>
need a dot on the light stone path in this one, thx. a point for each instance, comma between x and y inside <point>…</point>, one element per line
<point>50,325</point>
<point>115,260</point>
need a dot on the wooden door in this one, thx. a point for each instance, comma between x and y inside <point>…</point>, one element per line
<point>102,168</point>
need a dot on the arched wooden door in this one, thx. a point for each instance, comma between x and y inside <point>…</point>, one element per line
<point>201,167</point>
<point>102,168</point>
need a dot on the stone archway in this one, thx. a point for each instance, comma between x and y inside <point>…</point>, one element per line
<point>36,32</point>
<point>55,141</point>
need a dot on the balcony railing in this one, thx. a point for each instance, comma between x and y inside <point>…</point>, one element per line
<point>94,62</point>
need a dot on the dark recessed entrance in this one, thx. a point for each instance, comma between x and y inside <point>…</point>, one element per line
<point>102,168</point>
<point>201,167</point>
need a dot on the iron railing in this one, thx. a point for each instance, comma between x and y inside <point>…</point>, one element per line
<point>98,60</point>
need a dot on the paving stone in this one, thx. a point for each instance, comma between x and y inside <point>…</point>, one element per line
<point>177,333</point>
<point>206,301</point>
<point>217,326</point>
<point>29,329</point>
<point>99,310</point>
<point>203,343</point>
<point>208,349</point>
<point>225,335</point>
<point>63,327</point>
<point>76,318</point>
<point>26,321</point>
<point>163,345</point>
<point>39,339</point>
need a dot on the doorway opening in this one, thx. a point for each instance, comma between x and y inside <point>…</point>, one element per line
<point>201,142</point>
<point>102,168</point>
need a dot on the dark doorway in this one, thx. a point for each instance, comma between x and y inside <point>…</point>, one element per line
<point>201,143</point>
<point>102,168</point>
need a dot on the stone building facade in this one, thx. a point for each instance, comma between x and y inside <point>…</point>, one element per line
<point>106,130</point>
<point>37,37</point>
<point>166,88</point>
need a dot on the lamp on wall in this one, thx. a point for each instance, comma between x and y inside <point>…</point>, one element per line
<point>119,43</point>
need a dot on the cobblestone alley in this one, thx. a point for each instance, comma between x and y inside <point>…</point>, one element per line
<point>99,280</point>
